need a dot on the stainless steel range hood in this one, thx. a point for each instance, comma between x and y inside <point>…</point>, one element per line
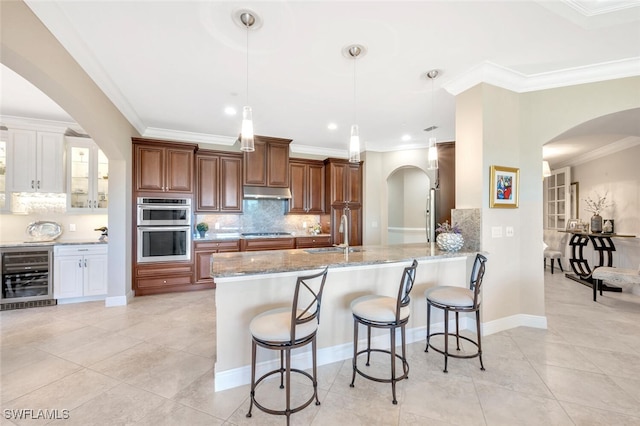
<point>257,192</point>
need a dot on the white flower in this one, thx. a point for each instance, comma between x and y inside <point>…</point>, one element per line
<point>597,205</point>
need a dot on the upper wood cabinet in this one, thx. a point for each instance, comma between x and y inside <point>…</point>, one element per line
<point>161,166</point>
<point>218,182</point>
<point>36,161</point>
<point>268,165</point>
<point>446,194</point>
<point>307,184</point>
<point>343,181</point>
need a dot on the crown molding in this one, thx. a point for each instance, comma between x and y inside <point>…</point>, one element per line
<point>177,135</point>
<point>500,76</point>
<point>315,150</point>
<point>612,148</point>
<point>12,122</point>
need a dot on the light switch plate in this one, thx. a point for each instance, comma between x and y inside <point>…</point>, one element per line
<point>496,232</point>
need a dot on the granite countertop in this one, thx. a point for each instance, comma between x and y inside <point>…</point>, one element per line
<point>268,262</point>
<point>11,244</point>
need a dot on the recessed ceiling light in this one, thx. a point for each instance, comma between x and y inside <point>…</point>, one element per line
<point>230,111</point>
<point>406,138</point>
<point>332,126</point>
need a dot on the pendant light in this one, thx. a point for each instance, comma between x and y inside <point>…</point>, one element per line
<point>433,147</point>
<point>354,52</point>
<point>246,133</point>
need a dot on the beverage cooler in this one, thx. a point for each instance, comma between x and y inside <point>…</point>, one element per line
<point>26,277</point>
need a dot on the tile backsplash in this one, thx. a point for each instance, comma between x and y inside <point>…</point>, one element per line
<point>263,216</point>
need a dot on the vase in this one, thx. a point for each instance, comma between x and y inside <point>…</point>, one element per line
<point>202,233</point>
<point>449,241</point>
<point>596,223</point>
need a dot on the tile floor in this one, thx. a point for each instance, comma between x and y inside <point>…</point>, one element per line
<point>151,363</point>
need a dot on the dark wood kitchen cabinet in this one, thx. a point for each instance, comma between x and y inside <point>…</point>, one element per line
<point>446,181</point>
<point>307,186</point>
<point>164,277</point>
<point>344,196</point>
<point>313,241</point>
<point>161,166</point>
<point>218,182</point>
<point>268,165</point>
<point>203,250</point>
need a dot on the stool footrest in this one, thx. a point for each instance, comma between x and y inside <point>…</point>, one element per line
<point>405,366</point>
<point>454,355</point>
<point>291,410</point>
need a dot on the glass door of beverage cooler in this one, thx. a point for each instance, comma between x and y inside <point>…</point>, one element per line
<point>26,274</point>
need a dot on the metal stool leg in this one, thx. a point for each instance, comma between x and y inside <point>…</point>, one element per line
<point>457,331</point>
<point>426,349</point>
<point>355,352</point>
<point>393,366</point>
<point>479,339</point>
<point>446,339</point>
<point>253,375</point>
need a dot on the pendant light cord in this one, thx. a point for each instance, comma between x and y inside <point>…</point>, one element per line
<point>247,26</point>
<point>355,120</point>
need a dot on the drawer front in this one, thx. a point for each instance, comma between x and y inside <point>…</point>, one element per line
<point>226,245</point>
<point>74,250</point>
<point>159,270</point>
<point>163,282</point>
<point>268,244</point>
<point>310,242</point>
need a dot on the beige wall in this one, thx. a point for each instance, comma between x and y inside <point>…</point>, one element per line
<point>30,50</point>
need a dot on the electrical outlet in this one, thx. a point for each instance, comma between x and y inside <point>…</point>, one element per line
<point>217,225</point>
<point>509,231</point>
<point>304,225</point>
<point>72,227</point>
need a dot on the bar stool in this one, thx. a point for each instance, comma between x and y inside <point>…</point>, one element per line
<point>457,299</point>
<point>285,329</point>
<point>384,312</point>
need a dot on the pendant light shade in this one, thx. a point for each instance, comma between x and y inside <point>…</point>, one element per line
<point>354,52</point>
<point>354,144</point>
<point>433,146</point>
<point>247,19</point>
<point>246,135</point>
<point>433,154</point>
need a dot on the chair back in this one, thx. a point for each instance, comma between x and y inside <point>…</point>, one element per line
<point>477,273</point>
<point>406,284</point>
<point>307,299</point>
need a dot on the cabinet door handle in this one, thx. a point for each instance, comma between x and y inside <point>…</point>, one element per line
<point>79,263</point>
<point>95,204</point>
<point>38,184</point>
<point>33,184</point>
<point>85,263</point>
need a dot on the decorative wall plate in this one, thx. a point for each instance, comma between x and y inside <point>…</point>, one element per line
<point>44,230</point>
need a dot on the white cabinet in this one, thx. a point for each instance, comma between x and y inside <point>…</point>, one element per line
<point>87,177</point>
<point>79,271</point>
<point>36,161</point>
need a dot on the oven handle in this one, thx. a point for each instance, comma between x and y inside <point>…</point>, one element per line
<point>165,228</point>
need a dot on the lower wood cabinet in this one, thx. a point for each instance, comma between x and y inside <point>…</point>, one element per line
<point>255,244</point>
<point>80,271</point>
<point>164,277</point>
<point>202,254</point>
<point>313,241</point>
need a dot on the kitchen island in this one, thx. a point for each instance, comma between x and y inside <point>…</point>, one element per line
<point>252,282</point>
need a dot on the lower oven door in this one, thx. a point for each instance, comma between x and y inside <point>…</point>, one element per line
<point>164,243</point>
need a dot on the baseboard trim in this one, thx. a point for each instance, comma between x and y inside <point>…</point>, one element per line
<point>118,300</point>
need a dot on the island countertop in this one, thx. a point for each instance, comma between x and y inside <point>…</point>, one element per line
<point>268,262</point>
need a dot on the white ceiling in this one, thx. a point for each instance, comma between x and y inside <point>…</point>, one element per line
<point>172,67</point>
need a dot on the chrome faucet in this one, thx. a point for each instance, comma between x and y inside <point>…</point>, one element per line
<point>344,228</point>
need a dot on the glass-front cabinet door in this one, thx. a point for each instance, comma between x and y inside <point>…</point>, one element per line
<point>88,174</point>
<point>3,171</point>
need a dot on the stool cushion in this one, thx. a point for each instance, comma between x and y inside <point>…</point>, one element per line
<point>378,308</point>
<point>616,275</point>
<point>450,296</point>
<point>275,326</point>
<point>552,254</point>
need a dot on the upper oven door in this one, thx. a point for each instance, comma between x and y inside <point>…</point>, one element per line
<point>154,215</point>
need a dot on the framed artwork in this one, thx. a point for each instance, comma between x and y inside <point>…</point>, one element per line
<point>504,187</point>
<point>573,225</point>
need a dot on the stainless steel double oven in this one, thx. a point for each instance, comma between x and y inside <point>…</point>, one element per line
<point>164,229</point>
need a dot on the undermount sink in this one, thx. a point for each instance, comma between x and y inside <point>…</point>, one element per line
<point>333,250</point>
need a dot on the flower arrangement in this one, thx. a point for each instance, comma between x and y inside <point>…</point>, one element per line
<point>445,228</point>
<point>598,204</point>
<point>202,227</point>
<point>316,228</point>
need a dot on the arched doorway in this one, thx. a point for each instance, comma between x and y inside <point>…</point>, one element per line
<point>407,189</point>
